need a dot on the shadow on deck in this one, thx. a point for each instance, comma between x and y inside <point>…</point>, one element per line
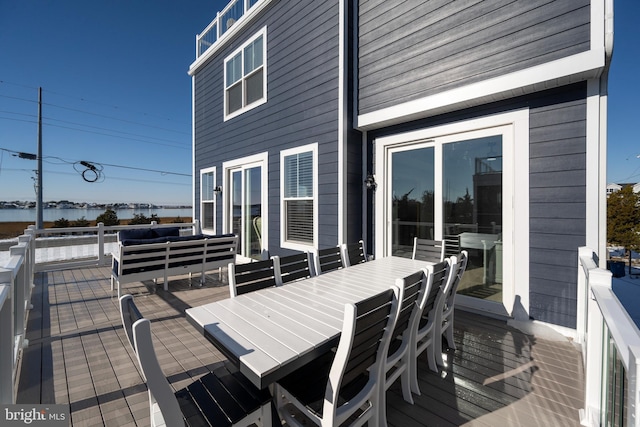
<point>79,355</point>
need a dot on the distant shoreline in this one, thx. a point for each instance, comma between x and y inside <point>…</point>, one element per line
<point>13,229</point>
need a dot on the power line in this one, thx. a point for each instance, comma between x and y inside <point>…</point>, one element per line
<point>88,101</point>
<point>97,165</point>
<point>89,126</point>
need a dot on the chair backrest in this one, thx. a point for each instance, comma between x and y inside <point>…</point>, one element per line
<point>363,347</point>
<point>251,276</point>
<point>439,275</point>
<point>353,253</point>
<point>461,261</point>
<point>292,267</point>
<point>428,250</point>
<point>451,244</point>
<point>138,332</point>
<point>413,286</point>
<point>328,259</point>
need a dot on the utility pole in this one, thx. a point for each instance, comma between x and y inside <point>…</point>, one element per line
<point>39,207</point>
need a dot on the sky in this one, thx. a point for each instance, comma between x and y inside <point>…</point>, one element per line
<point>116,95</point>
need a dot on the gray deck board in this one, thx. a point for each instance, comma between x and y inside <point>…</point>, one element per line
<point>79,355</point>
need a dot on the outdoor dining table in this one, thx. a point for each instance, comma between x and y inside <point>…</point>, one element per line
<point>269,333</point>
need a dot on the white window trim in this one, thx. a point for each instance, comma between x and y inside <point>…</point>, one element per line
<point>206,171</point>
<point>240,49</point>
<point>515,211</point>
<point>283,242</point>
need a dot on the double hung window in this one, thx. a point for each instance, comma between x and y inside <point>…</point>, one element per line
<point>245,76</point>
<point>208,199</point>
<point>299,202</point>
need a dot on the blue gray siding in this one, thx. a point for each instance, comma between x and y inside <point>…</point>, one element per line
<point>412,49</point>
<point>302,92</point>
<point>557,192</point>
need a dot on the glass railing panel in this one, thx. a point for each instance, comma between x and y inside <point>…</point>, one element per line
<point>230,15</point>
<point>614,408</point>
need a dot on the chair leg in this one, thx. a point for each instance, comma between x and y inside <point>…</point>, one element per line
<point>450,341</point>
<point>405,382</point>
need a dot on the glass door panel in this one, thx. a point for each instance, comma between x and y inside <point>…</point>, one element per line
<point>246,209</point>
<point>472,211</point>
<point>412,193</point>
<point>253,213</point>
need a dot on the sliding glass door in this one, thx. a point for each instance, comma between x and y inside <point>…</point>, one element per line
<point>451,188</point>
<point>245,207</point>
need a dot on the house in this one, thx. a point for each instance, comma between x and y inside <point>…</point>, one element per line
<point>482,123</point>
<point>613,187</point>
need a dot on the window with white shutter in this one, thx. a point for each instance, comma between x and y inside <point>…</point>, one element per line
<point>299,197</point>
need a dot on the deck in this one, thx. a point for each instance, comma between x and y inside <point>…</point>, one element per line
<point>79,355</point>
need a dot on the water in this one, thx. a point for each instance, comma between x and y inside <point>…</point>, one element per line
<point>29,215</point>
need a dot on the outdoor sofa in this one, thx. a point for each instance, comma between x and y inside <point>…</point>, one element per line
<point>152,253</point>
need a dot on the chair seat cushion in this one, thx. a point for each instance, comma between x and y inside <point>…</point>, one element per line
<point>308,384</point>
<point>220,401</point>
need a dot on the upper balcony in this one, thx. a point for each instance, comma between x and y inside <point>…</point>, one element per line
<point>222,23</point>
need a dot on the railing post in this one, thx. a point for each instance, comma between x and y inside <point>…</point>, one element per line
<point>196,227</point>
<point>100,243</point>
<point>595,334</point>
<point>6,340</point>
<point>633,403</point>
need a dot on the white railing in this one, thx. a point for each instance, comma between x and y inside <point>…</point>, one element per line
<point>16,281</point>
<point>223,21</point>
<point>44,250</point>
<point>611,349</point>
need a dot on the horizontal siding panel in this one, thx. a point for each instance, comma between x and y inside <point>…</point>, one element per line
<point>554,163</point>
<point>543,258</point>
<point>557,146</point>
<point>560,226</point>
<point>556,283</point>
<point>558,210</point>
<point>557,195</point>
<point>558,179</point>
<point>569,243</point>
<point>552,310</point>
<point>414,49</point>
<point>558,131</point>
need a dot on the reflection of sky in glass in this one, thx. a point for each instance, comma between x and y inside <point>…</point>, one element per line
<point>460,163</point>
<point>412,172</point>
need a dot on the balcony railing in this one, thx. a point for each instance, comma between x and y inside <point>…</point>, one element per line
<point>223,21</point>
<point>611,349</point>
<point>47,249</point>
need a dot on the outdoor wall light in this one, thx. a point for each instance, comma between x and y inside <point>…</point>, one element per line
<point>370,182</point>
<point>217,190</point>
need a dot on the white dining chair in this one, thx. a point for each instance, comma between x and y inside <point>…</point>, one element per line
<point>344,386</point>
<point>446,328</point>
<point>431,309</point>
<point>397,363</point>
<point>226,400</point>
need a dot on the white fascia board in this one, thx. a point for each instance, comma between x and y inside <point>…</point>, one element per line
<point>581,66</point>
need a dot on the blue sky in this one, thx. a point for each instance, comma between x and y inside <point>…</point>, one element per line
<point>116,94</point>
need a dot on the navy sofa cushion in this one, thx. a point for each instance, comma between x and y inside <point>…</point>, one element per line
<point>135,233</point>
<point>164,232</point>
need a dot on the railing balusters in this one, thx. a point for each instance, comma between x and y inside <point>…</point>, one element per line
<point>606,321</point>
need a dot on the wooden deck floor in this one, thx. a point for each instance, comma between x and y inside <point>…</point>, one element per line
<point>78,355</point>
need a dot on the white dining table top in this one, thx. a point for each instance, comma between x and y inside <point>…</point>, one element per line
<point>271,332</point>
